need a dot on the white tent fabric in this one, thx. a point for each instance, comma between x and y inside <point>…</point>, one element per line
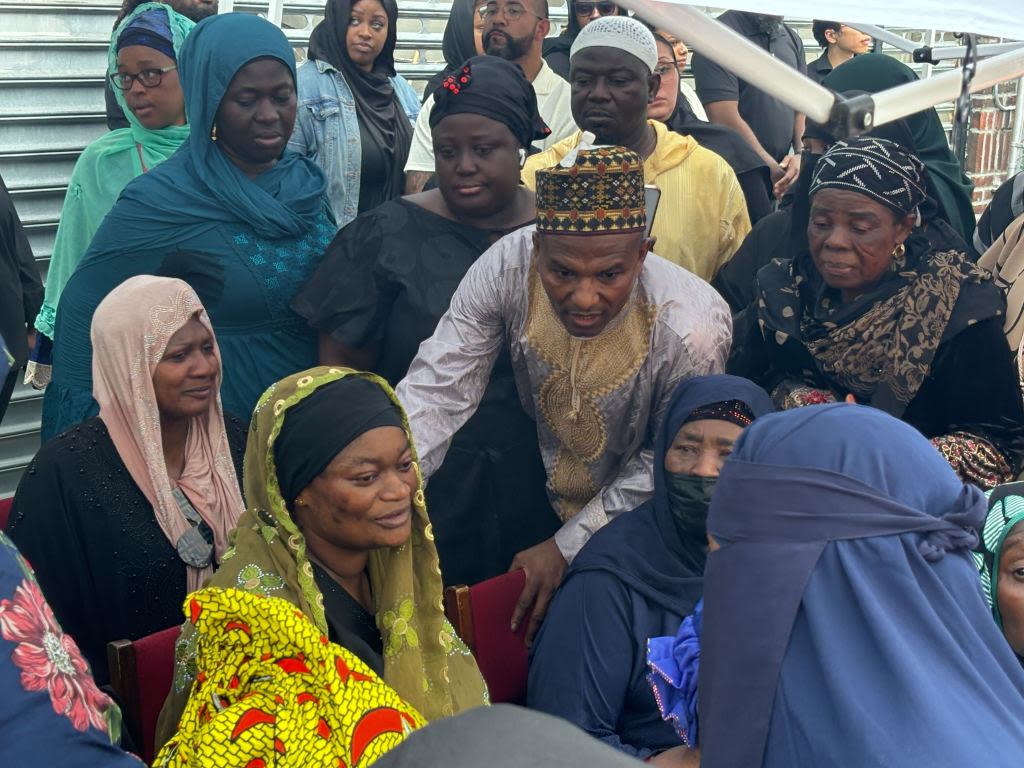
<point>999,18</point>
<point>756,66</point>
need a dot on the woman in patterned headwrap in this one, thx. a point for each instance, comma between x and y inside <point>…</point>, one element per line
<point>874,313</point>
<point>1000,561</point>
<point>337,525</point>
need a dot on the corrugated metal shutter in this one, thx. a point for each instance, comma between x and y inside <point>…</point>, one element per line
<point>52,59</point>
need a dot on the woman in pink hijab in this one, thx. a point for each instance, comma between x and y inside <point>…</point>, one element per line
<point>124,514</point>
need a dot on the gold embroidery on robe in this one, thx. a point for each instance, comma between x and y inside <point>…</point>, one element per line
<point>582,370</point>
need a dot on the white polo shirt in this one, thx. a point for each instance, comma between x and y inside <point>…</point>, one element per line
<point>552,103</point>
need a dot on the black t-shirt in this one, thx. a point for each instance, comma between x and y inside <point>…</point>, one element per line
<point>770,119</point>
<point>819,69</point>
<point>372,173</point>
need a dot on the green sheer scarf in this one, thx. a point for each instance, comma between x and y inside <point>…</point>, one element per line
<point>424,660</point>
<point>104,169</point>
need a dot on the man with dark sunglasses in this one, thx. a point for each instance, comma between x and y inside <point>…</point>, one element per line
<point>581,13</point>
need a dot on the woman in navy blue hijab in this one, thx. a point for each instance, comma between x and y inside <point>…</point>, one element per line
<point>844,622</point>
<point>639,576</point>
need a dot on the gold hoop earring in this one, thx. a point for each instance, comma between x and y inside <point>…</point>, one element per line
<point>213,133</point>
<point>899,251</point>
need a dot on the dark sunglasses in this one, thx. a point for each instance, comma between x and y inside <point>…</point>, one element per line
<point>603,9</point>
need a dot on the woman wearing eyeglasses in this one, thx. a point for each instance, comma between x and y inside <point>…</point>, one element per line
<point>581,13</point>
<point>142,66</point>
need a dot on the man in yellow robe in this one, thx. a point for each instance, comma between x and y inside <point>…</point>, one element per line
<point>702,216</point>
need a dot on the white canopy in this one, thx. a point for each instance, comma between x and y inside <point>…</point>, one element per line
<point>757,66</point>
<point>998,18</point>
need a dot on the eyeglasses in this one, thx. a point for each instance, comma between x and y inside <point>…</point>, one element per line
<point>587,9</point>
<point>664,69</point>
<point>512,12</point>
<point>150,78</point>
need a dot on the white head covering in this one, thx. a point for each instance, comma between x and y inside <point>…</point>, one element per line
<point>622,32</point>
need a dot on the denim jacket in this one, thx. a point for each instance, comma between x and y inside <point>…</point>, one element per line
<point>327,131</point>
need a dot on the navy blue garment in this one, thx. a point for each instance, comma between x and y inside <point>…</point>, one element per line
<point>51,712</point>
<point>636,578</point>
<point>844,622</point>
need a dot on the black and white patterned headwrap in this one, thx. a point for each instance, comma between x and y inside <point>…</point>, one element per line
<point>877,168</point>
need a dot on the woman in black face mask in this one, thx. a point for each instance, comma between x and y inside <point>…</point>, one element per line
<point>639,576</point>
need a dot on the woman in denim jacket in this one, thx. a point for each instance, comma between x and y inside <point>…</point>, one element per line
<point>355,113</point>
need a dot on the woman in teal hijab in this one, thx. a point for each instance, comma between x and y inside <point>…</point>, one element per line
<point>145,43</point>
<point>874,72</point>
<point>1001,562</point>
<point>232,213</point>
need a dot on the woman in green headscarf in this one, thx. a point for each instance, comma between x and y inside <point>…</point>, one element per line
<point>142,67</point>
<point>874,72</point>
<point>337,525</point>
<point>1001,562</point>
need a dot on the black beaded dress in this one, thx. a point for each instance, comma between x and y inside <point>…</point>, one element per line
<point>99,554</point>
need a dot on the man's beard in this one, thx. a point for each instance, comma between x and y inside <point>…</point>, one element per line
<point>765,24</point>
<point>514,49</point>
<point>195,11</point>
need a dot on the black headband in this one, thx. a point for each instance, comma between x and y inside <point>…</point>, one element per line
<point>494,88</point>
<point>735,411</point>
<point>320,427</point>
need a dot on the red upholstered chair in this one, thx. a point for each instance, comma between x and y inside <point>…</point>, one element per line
<point>141,672</point>
<point>481,614</point>
<point>5,511</point>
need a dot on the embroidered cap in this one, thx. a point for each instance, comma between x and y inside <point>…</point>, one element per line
<point>621,32</point>
<point>602,190</point>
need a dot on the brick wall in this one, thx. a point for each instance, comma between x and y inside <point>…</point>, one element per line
<point>989,140</point>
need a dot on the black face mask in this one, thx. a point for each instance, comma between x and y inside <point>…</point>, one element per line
<point>689,497</point>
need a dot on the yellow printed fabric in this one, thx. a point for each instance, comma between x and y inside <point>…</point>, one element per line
<point>424,660</point>
<point>702,215</point>
<point>272,690</point>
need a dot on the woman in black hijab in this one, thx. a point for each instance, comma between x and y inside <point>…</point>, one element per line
<point>389,276</point>
<point>639,574</point>
<point>362,149</point>
<point>463,39</point>
<point>581,13</point>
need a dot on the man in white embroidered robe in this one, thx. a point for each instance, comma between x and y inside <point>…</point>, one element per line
<point>600,333</point>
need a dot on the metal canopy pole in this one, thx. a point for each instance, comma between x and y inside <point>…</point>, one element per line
<point>896,41</point>
<point>895,103</point>
<point>740,56</point>
<point>935,55</point>
<point>275,12</point>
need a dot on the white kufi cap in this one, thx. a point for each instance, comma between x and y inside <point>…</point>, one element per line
<point>621,32</point>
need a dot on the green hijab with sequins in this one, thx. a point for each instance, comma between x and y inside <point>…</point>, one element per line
<point>424,660</point>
